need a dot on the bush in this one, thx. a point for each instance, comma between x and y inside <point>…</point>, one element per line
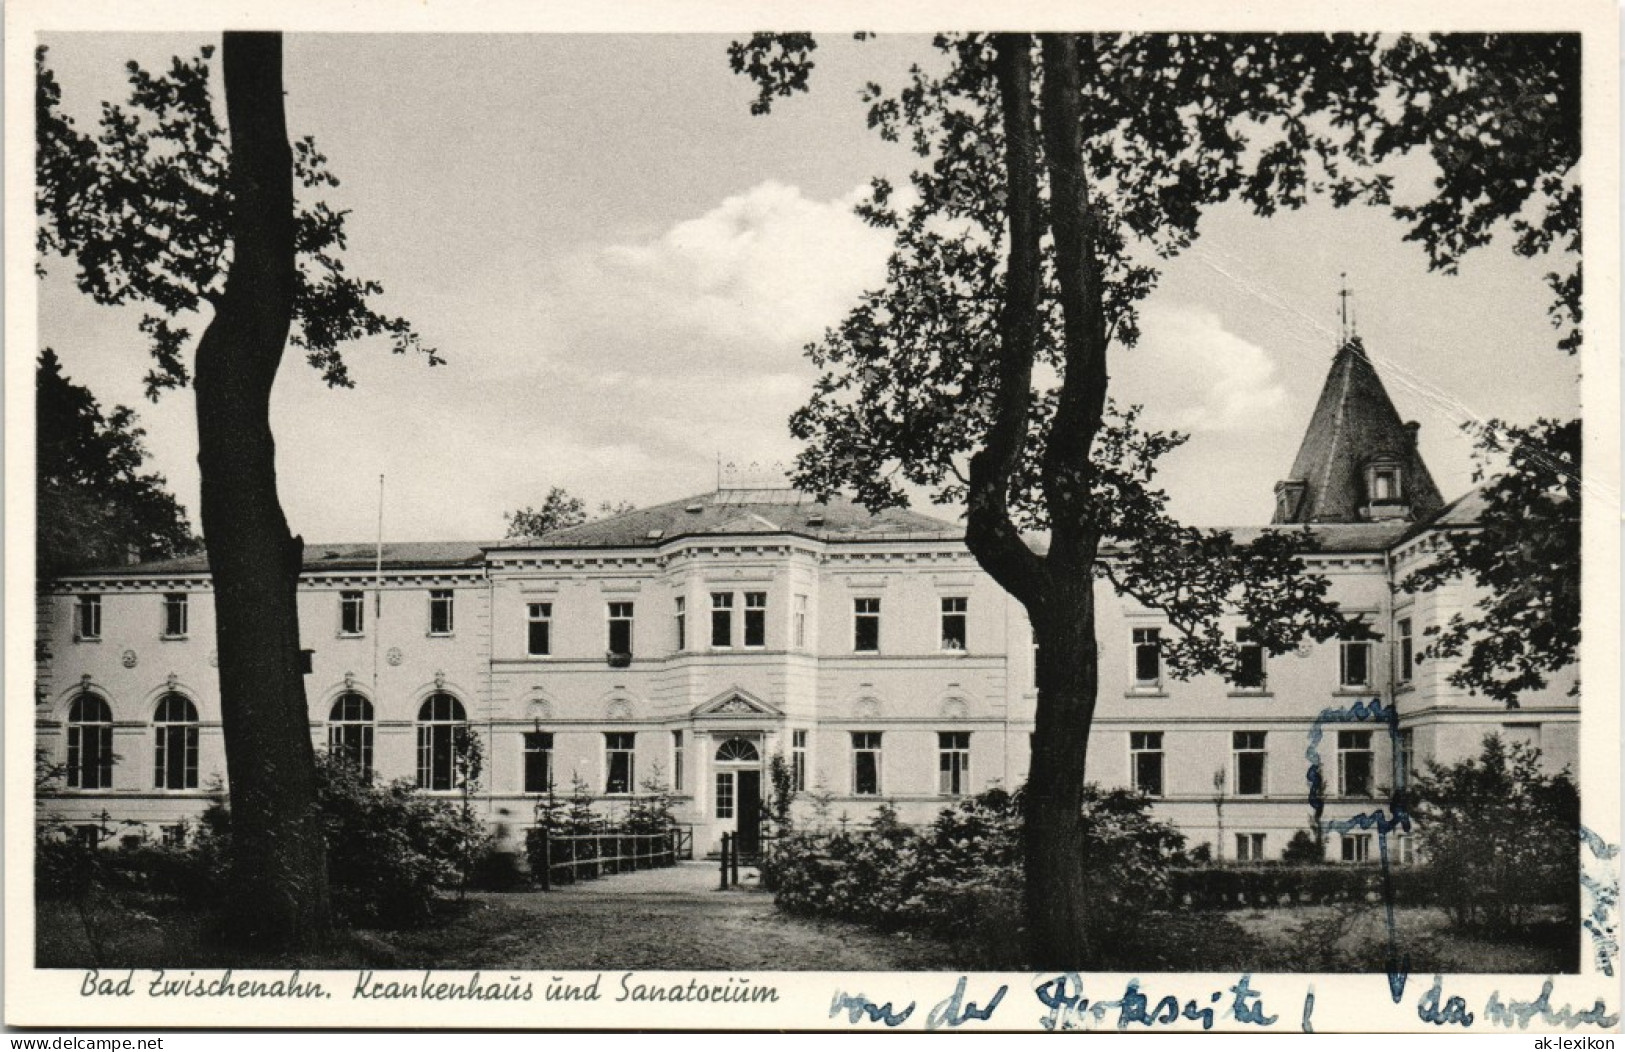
<point>1304,846</point>
<point>1498,836</point>
<point>390,849</point>
<point>962,876</point>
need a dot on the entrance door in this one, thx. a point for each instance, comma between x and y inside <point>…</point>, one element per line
<point>750,812</point>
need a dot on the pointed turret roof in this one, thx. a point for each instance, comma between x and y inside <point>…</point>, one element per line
<point>1359,460</point>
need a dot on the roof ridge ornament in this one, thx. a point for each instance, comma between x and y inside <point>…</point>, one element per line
<point>754,475</point>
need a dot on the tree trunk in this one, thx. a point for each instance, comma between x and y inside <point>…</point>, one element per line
<point>1060,934</point>
<point>279,862</point>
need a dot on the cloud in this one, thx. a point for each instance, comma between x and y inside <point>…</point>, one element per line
<point>759,275</point>
<point>1194,375</point>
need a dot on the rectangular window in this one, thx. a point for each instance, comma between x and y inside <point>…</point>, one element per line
<point>677,761</point>
<point>866,763</point>
<point>620,628</point>
<point>866,625</point>
<point>1407,849</point>
<point>1405,757</point>
<point>1249,847</point>
<point>175,616</point>
<point>722,619</point>
<point>172,835</point>
<point>680,616</point>
<point>801,621</point>
<point>90,755</point>
<point>441,621</point>
<point>755,619</point>
<point>1354,764</point>
<point>1249,751</point>
<point>1407,656</point>
<point>539,629</point>
<point>618,762</point>
<point>1147,657</point>
<point>1356,847</point>
<point>954,611</point>
<point>538,761</point>
<point>1145,754</point>
<point>1356,664</point>
<point>175,756</point>
<point>953,763</point>
<point>725,794</point>
<point>87,617</point>
<point>1249,660</point>
<point>798,761</point>
<point>352,613</point>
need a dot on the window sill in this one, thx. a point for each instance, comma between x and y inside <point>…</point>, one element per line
<point>350,635</point>
<point>1145,692</point>
<point>538,657</point>
<point>1362,691</point>
<point>953,651</point>
<point>1251,692</point>
<point>441,635</point>
<point>172,639</point>
<point>87,639</point>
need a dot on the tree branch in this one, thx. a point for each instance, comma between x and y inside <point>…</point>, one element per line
<point>989,532</point>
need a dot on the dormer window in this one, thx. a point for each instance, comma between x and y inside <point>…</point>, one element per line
<point>1383,482</point>
<point>1385,490</point>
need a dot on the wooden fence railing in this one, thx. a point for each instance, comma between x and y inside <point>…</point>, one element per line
<point>592,855</point>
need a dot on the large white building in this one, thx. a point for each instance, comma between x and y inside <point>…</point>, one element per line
<point>689,643</point>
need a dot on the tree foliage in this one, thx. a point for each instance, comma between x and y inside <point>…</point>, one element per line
<point>1523,553</point>
<point>1499,116</point>
<point>912,379</point>
<point>560,510</point>
<point>1498,834</point>
<point>143,209</point>
<point>94,505</point>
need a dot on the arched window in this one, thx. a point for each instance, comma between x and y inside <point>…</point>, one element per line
<point>438,720</point>
<point>738,750</point>
<point>349,730</point>
<point>90,743</point>
<point>175,744</point>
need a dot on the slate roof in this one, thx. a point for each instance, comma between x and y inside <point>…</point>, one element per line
<point>746,512</point>
<point>398,555</point>
<point>1355,422</point>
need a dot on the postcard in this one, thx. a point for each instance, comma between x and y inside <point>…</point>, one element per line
<point>826,517</point>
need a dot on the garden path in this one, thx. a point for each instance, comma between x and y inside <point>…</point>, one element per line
<point>674,918</point>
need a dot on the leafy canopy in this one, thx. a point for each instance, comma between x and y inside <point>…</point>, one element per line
<point>559,511</point>
<point>1171,124</point>
<point>143,208</point>
<point>1524,553</point>
<point>94,505</point>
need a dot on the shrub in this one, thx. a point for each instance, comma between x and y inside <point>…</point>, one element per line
<point>1498,836</point>
<point>390,849</point>
<point>1304,846</point>
<point>962,877</point>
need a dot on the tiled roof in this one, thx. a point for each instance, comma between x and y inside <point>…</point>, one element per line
<point>1354,423</point>
<point>398,555</point>
<point>745,512</point>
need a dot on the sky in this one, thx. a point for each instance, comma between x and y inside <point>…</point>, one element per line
<point>622,266</point>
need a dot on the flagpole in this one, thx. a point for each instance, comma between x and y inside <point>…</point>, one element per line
<point>378,592</point>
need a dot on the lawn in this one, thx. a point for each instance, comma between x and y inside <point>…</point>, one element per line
<point>742,930</point>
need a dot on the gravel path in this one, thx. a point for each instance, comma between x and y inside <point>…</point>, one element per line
<point>673,918</point>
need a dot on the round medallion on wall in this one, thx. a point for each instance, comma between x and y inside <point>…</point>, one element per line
<point>867,708</point>
<point>393,655</point>
<point>128,659</point>
<point>619,709</point>
<point>955,709</point>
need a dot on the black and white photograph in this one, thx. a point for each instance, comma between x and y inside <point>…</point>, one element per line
<point>675,518</point>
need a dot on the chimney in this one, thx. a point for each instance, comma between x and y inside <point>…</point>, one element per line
<point>1411,429</point>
